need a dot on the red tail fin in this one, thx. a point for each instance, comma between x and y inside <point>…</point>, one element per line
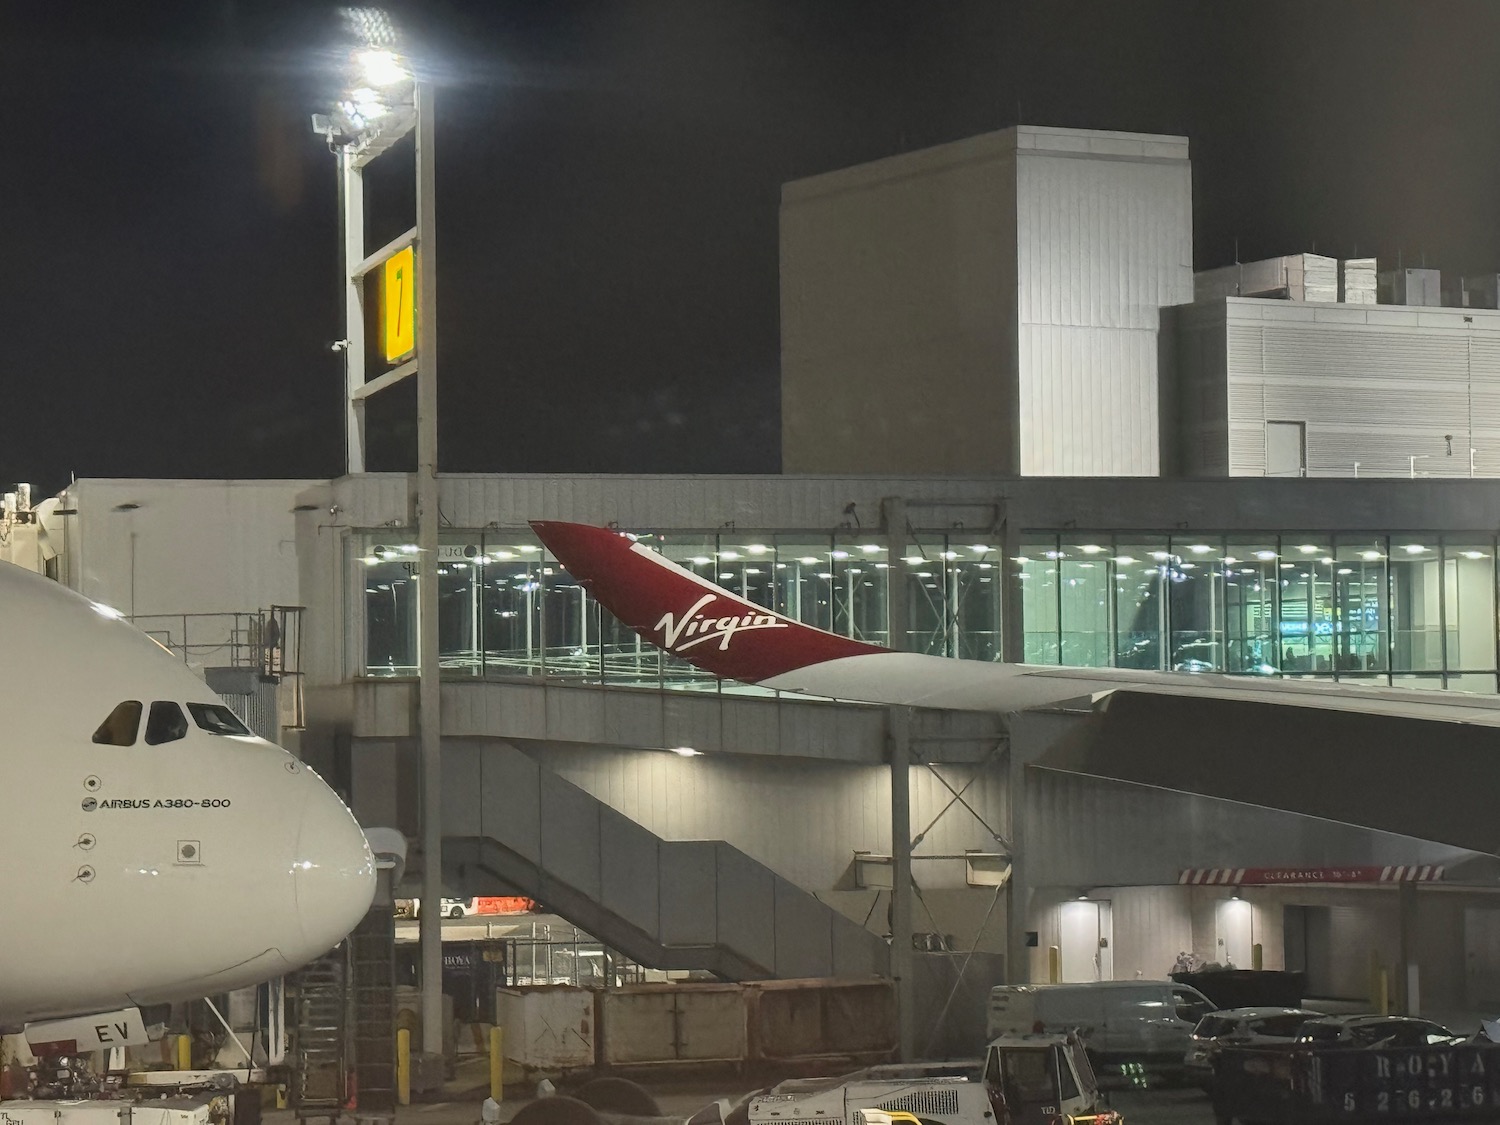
<point>687,616</point>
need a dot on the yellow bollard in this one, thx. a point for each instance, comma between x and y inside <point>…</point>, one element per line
<point>1257,957</point>
<point>1054,965</point>
<point>403,1066</point>
<point>184,1052</point>
<point>497,1064</point>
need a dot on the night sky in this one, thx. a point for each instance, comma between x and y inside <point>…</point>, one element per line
<point>608,178</point>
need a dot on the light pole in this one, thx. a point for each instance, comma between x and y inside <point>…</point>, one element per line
<point>386,101</point>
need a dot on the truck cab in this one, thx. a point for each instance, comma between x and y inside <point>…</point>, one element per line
<point>1040,1080</point>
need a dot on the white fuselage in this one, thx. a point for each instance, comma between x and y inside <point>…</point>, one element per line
<point>138,874</point>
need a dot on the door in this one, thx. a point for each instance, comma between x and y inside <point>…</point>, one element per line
<point>1294,938</point>
<point>1233,918</point>
<point>1318,951</point>
<point>1286,449</point>
<point>1482,956</point>
<point>1080,934</point>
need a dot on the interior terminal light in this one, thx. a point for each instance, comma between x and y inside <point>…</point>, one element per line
<point>686,752</point>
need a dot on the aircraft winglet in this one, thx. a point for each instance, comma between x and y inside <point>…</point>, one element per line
<point>686,615</point>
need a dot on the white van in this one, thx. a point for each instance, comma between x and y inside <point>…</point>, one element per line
<point>1144,1022</point>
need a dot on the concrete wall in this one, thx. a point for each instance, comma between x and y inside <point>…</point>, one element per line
<point>1372,383</point>
<point>897,323</point>
<point>989,305</point>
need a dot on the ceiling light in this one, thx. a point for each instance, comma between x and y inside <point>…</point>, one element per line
<point>1345,570</point>
<point>981,549</point>
<point>808,560</point>
<point>1371,556</point>
<point>1124,560</point>
<point>700,560</point>
<point>871,548</point>
<point>1265,556</point>
<point>729,556</point>
<point>1474,555</point>
<point>1160,556</point>
<point>685,752</point>
<point>1414,548</point>
<point>914,559</point>
<point>1308,548</point>
<point>838,554</point>
<point>1200,548</point>
<point>1091,548</point>
<point>757,548</point>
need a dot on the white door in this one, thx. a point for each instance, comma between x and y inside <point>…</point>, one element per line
<point>1286,449</point>
<point>1233,919</point>
<point>1482,956</point>
<point>1080,932</point>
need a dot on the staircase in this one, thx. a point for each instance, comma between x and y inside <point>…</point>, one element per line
<point>372,960</point>
<point>318,1054</point>
<point>515,828</point>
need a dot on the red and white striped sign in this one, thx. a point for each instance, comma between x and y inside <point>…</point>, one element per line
<point>1275,876</point>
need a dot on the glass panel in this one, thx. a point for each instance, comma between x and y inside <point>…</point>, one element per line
<point>1431,682</point>
<point>512,606</point>
<point>165,723</point>
<point>215,718</point>
<point>120,726</point>
<point>1469,605</point>
<point>804,580</point>
<point>461,562</point>
<point>1361,606</point>
<point>926,569</point>
<point>570,626</point>
<point>1194,576</point>
<point>1085,591</point>
<point>1140,612</point>
<point>1416,614</point>
<point>1252,581</point>
<point>1306,567</point>
<point>860,580</point>
<point>974,596</point>
<point>1037,574</point>
<point>390,574</point>
<point>1482,682</point>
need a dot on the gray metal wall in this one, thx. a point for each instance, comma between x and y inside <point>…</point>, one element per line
<point>1104,241</point>
<point>1373,384</point>
<point>983,306</point>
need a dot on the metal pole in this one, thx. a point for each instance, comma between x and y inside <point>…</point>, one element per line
<point>352,202</point>
<point>899,720</point>
<point>429,683</point>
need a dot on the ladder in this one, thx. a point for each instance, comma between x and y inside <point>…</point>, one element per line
<point>319,1036</point>
<point>372,959</point>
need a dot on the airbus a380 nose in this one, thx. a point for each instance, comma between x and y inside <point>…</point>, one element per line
<point>155,849</point>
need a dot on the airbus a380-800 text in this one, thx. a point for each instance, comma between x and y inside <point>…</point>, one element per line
<point>154,849</point>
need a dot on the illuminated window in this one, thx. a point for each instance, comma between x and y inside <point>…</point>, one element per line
<point>120,727</point>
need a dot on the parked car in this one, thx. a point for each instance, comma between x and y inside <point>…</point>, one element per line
<point>1130,1022</point>
<point>1241,1027</point>
<point>1372,1031</point>
<point>451,907</point>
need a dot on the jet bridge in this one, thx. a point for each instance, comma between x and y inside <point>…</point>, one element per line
<point>515,828</point>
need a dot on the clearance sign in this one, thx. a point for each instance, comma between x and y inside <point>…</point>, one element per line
<point>398,305</point>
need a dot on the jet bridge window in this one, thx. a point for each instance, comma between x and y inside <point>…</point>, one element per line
<point>216,718</point>
<point>119,729</point>
<point>166,723</point>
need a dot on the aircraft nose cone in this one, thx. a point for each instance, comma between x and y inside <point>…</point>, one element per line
<point>334,874</point>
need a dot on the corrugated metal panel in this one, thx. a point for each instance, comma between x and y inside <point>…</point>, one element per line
<point>1102,247</point>
<point>1148,922</point>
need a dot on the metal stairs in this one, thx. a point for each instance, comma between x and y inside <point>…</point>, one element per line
<point>516,828</point>
<point>319,1041</point>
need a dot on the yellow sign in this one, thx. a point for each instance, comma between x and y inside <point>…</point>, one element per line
<point>398,305</point>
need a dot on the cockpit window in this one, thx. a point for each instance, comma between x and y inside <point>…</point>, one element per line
<point>120,727</point>
<point>217,719</point>
<point>166,723</point>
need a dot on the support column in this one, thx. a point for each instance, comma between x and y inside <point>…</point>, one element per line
<point>1407,985</point>
<point>1017,887</point>
<point>893,512</point>
<point>430,683</point>
<point>899,730</point>
<point>352,204</point>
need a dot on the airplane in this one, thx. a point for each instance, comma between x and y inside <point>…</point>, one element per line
<point>720,632</point>
<point>154,849</point>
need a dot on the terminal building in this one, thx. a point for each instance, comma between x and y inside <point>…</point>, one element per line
<point>1010,435</point>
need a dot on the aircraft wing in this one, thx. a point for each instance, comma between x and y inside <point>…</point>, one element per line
<point>720,632</point>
